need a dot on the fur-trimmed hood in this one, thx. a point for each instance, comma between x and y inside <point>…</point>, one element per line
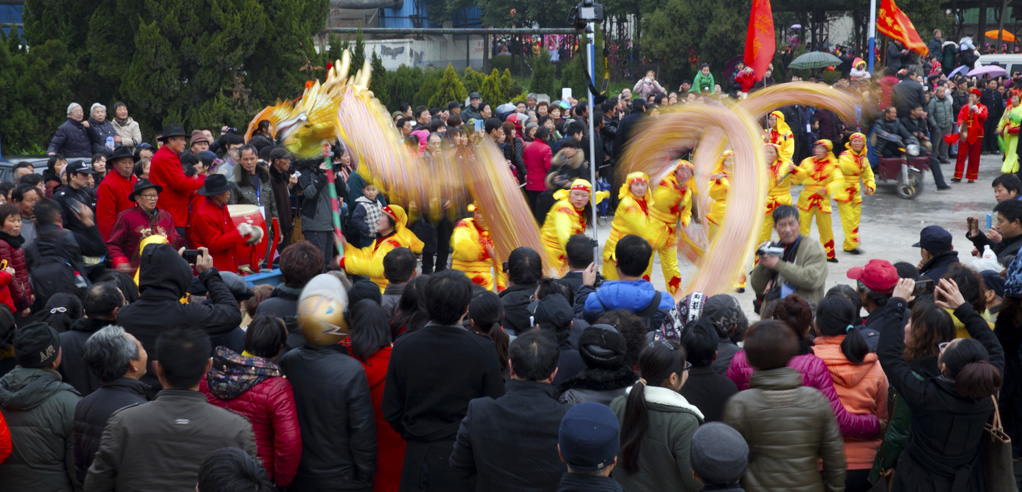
<point>669,398</point>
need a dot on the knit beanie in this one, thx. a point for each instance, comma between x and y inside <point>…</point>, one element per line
<point>719,454</point>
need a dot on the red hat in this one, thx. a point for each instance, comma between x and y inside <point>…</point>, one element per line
<point>879,275</point>
<point>976,92</point>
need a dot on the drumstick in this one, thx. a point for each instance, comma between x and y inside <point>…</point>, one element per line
<point>330,176</point>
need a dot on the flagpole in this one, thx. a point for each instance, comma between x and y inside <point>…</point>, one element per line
<point>872,33</point>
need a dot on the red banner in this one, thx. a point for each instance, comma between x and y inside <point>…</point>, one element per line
<point>759,40</point>
<point>894,24</point>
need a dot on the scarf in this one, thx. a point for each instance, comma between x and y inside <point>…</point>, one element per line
<point>122,122</point>
<point>14,241</point>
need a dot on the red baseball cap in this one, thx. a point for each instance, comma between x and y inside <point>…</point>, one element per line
<point>879,275</point>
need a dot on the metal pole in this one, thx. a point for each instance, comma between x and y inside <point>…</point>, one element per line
<point>591,69</point>
<point>872,33</point>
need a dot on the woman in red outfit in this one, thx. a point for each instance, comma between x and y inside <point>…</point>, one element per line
<point>251,384</point>
<point>370,344</point>
<point>12,251</point>
<point>970,118</point>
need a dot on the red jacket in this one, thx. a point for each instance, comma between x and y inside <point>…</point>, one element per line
<point>131,227</point>
<point>166,171</point>
<point>390,447</point>
<point>975,119</point>
<point>20,289</point>
<point>537,163</point>
<point>212,228</point>
<point>746,80</point>
<point>5,440</point>
<point>112,199</point>
<point>5,291</point>
<point>269,405</point>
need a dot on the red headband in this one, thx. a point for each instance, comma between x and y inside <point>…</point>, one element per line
<point>387,210</point>
<point>580,187</point>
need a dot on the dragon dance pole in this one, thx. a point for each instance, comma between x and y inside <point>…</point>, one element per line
<point>330,177</point>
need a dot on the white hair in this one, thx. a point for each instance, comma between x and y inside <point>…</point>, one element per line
<point>71,107</point>
<point>92,109</point>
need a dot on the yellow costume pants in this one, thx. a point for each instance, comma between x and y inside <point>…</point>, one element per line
<point>669,265</point>
<point>609,270</point>
<point>851,213</point>
<point>767,231</point>
<point>823,224</point>
<point>714,229</point>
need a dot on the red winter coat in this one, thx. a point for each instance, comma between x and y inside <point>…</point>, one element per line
<point>20,289</point>
<point>390,447</point>
<point>537,163</point>
<point>256,388</point>
<point>974,121</point>
<point>166,171</point>
<point>5,291</point>
<point>212,228</point>
<point>746,80</point>
<point>112,199</point>
<point>5,440</point>
<point>131,227</point>
<point>814,375</point>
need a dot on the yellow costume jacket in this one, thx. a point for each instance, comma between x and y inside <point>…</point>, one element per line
<point>821,181</point>
<point>783,173</point>
<point>671,203</point>
<point>468,246</point>
<point>631,217</point>
<point>562,221</point>
<point>782,137</point>
<point>368,261</point>
<point>853,167</point>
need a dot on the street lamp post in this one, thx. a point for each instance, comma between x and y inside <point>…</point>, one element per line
<point>585,16</point>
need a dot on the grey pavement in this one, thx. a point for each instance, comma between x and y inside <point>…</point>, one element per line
<point>890,225</point>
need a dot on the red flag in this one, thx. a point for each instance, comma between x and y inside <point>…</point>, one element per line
<point>759,40</point>
<point>893,23</point>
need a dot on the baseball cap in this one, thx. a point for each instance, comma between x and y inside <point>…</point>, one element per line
<point>453,104</point>
<point>934,239</point>
<point>588,436</point>
<point>879,275</point>
<point>994,281</point>
<point>82,167</point>
<point>553,311</point>
<point>36,345</point>
<point>475,95</point>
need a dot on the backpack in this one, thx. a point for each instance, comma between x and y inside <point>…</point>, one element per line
<point>54,275</point>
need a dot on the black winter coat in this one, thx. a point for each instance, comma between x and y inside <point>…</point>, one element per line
<point>414,404</point>
<point>163,280</point>
<point>577,482</point>
<point>516,299</point>
<point>708,391</point>
<point>71,140</point>
<point>944,443</point>
<point>92,413</point>
<point>72,367</point>
<point>510,443</point>
<point>1009,334</point>
<point>938,265</point>
<point>906,95</point>
<point>335,414</point>
<point>98,132</point>
<point>1005,250</point>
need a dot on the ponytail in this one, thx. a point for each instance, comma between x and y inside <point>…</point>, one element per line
<point>978,380</point>
<point>657,361</point>
<point>634,428</point>
<point>834,317</point>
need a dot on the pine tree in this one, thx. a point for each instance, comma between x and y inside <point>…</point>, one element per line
<point>492,91</point>
<point>358,52</point>
<point>450,89</point>
<point>473,80</point>
<point>542,74</point>
<point>380,80</point>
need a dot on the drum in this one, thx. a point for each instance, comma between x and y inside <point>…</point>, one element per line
<point>249,255</point>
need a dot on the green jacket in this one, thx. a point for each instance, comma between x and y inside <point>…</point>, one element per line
<point>808,273</point>
<point>701,81</point>
<point>39,409</point>
<point>665,451</point>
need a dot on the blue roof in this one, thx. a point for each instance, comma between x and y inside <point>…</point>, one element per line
<point>11,14</point>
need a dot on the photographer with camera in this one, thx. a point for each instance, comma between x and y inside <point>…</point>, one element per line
<point>790,266</point>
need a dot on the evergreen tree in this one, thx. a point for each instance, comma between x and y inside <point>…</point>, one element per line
<point>491,90</point>
<point>473,80</point>
<point>450,89</point>
<point>542,74</point>
<point>358,52</point>
<point>380,80</point>
<point>404,83</point>
<point>429,86</point>
<point>574,76</point>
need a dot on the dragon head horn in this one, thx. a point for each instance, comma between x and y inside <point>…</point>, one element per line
<point>363,76</point>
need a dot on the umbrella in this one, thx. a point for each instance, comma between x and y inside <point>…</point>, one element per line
<point>958,71</point>
<point>991,70</point>
<point>795,27</point>
<point>1005,35</point>
<point>815,59</point>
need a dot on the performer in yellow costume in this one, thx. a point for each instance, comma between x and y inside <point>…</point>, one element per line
<point>783,173</point>
<point>631,217</point>
<point>719,184</point>
<point>672,202</point>
<point>854,166</point>
<point>569,216</point>
<point>821,181</point>
<point>780,134</point>
<point>392,232</point>
<point>472,248</point>
<point>1007,129</point>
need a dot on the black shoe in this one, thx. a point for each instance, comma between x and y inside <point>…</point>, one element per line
<point>831,260</point>
<point>855,251</point>
<point>944,187</point>
<point>740,290</point>
<point>971,181</point>
<point>956,180</point>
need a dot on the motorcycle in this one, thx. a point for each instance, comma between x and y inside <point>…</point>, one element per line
<point>905,173</point>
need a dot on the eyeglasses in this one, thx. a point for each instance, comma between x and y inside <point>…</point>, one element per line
<point>942,346</point>
<point>149,197</point>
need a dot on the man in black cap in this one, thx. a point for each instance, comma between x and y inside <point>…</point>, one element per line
<point>937,252</point>
<point>112,193</point>
<point>76,195</point>
<point>490,444</point>
<point>213,228</point>
<point>454,108</point>
<point>166,171</point>
<point>39,409</point>
<point>554,314</point>
<point>135,224</point>
<point>588,441</point>
<point>475,103</point>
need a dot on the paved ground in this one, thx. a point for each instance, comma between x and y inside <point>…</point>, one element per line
<point>890,225</point>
